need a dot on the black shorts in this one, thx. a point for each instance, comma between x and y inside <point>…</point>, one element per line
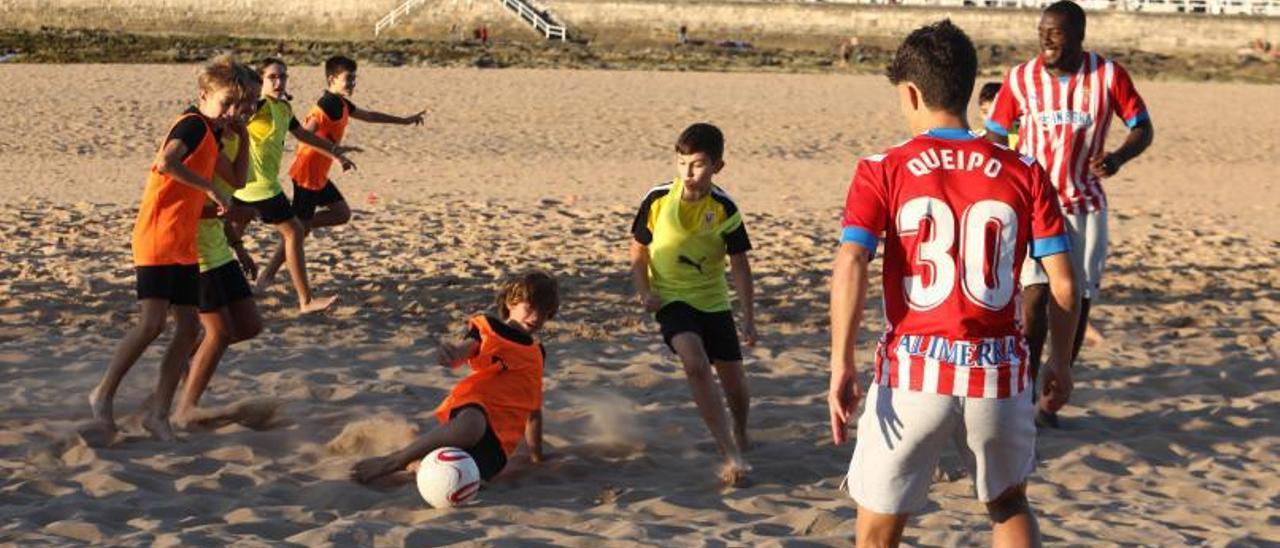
<point>306,201</point>
<point>222,286</point>
<point>273,210</point>
<point>716,329</point>
<point>178,284</point>
<point>488,453</point>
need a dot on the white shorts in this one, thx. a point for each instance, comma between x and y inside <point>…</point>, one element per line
<point>1088,231</point>
<point>901,435</point>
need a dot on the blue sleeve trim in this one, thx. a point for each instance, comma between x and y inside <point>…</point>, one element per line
<point>1053,245</point>
<point>860,236</point>
<point>997,129</point>
<point>1137,119</point>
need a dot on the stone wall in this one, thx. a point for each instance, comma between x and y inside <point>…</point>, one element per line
<point>621,20</point>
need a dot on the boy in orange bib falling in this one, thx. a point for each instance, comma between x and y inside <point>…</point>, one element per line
<point>500,402</point>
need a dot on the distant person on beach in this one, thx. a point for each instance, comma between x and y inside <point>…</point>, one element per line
<point>499,404</point>
<point>267,129</point>
<point>164,246</point>
<point>227,309</point>
<point>682,234</point>
<point>957,215</point>
<point>1063,101</point>
<point>682,37</point>
<point>317,203</point>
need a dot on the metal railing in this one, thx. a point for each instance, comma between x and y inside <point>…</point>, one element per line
<point>1210,7</point>
<point>390,18</point>
<point>539,21</point>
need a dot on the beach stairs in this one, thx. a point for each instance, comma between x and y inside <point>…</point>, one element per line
<point>540,20</point>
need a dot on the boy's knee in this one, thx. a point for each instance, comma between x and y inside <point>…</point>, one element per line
<point>471,423</point>
<point>1011,503</point>
<point>342,212</point>
<point>292,228</point>
<point>696,369</point>
<point>151,328</point>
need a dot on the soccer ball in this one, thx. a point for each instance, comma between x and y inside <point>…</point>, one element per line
<point>448,477</point>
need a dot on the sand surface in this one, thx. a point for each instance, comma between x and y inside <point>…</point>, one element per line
<point>1173,439</point>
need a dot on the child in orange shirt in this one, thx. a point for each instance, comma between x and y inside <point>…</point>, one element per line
<point>164,246</point>
<point>500,402</point>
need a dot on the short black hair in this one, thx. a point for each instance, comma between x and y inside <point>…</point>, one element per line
<point>263,64</point>
<point>941,61</point>
<point>1070,11</point>
<point>988,92</point>
<point>338,64</point>
<point>701,137</point>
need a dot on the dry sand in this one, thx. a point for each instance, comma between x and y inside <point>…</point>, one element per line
<point>1172,440</point>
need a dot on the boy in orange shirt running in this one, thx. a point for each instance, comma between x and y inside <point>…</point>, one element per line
<point>316,200</point>
<point>500,403</point>
<point>164,246</point>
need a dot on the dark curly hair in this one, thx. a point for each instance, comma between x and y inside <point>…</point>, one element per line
<point>941,61</point>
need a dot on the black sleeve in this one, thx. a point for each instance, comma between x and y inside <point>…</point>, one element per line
<point>640,226</point>
<point>737,241</point>
<point>331,105</point>
<point>293,124</point>
<point>190,131</point>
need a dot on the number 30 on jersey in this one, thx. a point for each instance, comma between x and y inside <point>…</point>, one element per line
<point>973,260</point>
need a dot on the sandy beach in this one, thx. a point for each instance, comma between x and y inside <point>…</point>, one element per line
<point>1172,437</point>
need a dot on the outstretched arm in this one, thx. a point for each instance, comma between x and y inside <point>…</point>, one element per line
<point>375,117</point>
<point>334,151</point>
<point>848,298</point>
<point>452,353</point>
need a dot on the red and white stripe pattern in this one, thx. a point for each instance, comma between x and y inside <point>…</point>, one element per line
<point>1064,122</point>
<point>900,369</point>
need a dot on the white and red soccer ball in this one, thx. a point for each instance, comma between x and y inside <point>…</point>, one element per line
<point>448,477</point>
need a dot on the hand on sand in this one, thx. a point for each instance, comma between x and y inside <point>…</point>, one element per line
<point>416,119</point>
<point>371,469</point>
<point>317,305</point>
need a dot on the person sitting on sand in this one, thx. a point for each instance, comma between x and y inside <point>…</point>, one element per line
<point>682,234</point>
<point>490,411</point>
<point>228,312</point>
<point>164,246</point>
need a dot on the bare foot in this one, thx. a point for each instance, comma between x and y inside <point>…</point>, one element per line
<point>317,305</point>
<point>101,407</point>
<point>97,433</point>
<point>734,473</point>
<point>1092,335</point>
<point>371,469</point>
<point>159,427</point>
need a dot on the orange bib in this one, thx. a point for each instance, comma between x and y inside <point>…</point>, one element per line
<point>505,379</point>
<point>169,217</point>
<point>310,168</point>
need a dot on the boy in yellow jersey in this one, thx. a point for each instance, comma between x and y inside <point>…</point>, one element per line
<point>312,189</point>
<point>682,234</point>
<point>267,129</point>
<point>164,250</point>
<point>227,309</point>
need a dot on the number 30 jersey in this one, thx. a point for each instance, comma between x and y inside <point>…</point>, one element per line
<point>957,214</point>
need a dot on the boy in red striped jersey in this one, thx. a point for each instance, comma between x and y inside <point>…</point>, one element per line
<point>957,215</point>
<point>1065,99</point>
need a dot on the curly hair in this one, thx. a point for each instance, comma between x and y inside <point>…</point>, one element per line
<point>538,288</point>
<point>941,61</point>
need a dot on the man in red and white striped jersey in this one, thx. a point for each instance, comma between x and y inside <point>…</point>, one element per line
<point>1065,99</point>
<point>957,215</point>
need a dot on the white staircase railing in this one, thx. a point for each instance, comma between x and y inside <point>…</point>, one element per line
<point>391,17</point>
<point>541,23</point>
